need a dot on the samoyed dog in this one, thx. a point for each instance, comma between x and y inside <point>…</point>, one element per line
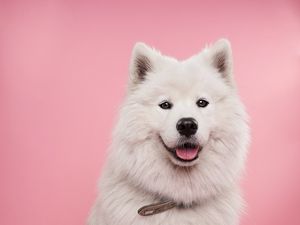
<point>179,145</point>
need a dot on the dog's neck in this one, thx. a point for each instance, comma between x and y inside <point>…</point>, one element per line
<point>161,204</point>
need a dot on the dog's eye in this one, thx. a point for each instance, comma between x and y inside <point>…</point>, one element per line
<point>202,103</point>
<point>165,105</point>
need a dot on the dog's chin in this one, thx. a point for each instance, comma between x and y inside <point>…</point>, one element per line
<point>186,154</point>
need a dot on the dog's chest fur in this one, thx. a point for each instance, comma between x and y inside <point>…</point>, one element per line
<point>120,203</point>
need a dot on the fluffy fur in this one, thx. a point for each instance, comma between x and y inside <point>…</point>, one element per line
<point>140,171</point>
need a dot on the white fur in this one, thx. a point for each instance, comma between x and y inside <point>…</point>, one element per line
<point>140,171</point>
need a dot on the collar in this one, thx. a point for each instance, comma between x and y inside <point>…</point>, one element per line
<point>152,209</point>
<point>149,210</point>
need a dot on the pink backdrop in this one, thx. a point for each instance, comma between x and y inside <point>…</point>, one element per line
<point>63,70</point>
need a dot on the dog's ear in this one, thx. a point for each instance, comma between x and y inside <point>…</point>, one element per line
<point>143,61</point>
<point>220,57</point>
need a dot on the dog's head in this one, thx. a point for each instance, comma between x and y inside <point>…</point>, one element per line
<point>182,117</point>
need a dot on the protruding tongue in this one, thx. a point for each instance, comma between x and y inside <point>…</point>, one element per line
<point>187,153</point>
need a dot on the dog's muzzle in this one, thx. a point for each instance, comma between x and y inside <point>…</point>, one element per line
<point>186,151</point>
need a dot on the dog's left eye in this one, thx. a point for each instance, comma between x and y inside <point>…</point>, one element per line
<point>202,103</point>
<point>165,105</point>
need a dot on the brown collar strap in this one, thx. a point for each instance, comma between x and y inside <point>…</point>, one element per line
<point>156,208</point>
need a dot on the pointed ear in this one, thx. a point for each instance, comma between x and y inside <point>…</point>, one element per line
<point>220,57</point>
<point>143,61</point>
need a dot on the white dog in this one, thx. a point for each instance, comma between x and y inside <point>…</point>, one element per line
<point>179,146</point>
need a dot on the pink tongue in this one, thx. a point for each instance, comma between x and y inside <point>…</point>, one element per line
<point>187,153</point>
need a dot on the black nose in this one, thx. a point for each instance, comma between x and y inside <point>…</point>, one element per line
<point>187,126</point>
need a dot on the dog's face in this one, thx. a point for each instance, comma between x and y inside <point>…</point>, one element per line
<point>183,109</point>
<point>182,114</point>
<point>180,98</point>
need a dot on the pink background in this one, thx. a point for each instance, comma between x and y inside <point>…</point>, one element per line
<point>63,72</point>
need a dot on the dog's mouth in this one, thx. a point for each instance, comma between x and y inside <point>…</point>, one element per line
<point>186,151</point>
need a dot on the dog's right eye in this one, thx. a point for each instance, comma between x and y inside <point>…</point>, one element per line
<point>165,105</point>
